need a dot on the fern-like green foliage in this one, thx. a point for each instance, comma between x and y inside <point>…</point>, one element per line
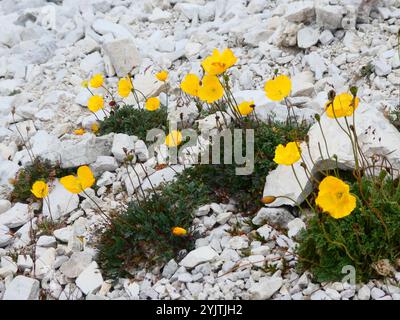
<point>370,233</point>
<point>142,235</point>
<point>132,121</point>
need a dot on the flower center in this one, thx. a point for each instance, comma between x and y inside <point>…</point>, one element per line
<point>219,65</point>
<point>339,195</point>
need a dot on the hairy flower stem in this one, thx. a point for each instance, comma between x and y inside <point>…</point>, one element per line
<point>140,184</point>
<point>219,108</point>
<point>141,93</point>
<point>47,199</point>
<point>133,186</point>
<point>148,178</point>
<point>104,215</point>
<point>301,186</point>
<point>110,93</point>
<point>96,116</point>
<point>30,153</point>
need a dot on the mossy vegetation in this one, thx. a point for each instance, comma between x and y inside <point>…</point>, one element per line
<point>133,121</point>
<point>40,169</point>
<point>368,235</point>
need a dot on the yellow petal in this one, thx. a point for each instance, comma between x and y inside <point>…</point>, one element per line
<point>85,177</point>
<point>124,87</point>
<point>71,183</point>
<point>343,105</point>
<point>152,104</point>
<point>162,75</point>
<point>245,107</point>
<point>211,89</point>
<point>173,139</point>
<point>287,155</point>
<point>178,231</point>
<point>96,81</point>
<point>95,103</point>
<point>278,88</point>
<point>190,84</point>
<point>40,189</point>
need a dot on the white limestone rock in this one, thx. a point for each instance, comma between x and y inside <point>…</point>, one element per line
<point>265,288</point>
<point>104,27</point>
<point>317,64</point>
<point>141,151</point>
<point>364,293</point>
<point>302,84</point>
<point>123,141</point>
<point>63,234</point>
<point>326,37</point>
<point>5,236</point>
<point>295,226</point>
<point>198,256</point>
<point>8,170</point>
<point>300,11</point>
<point>78,262</point>
<point>307,37</point>
<point>92,63</point>
<point>102,164</point>
<point>45,263</point>
<point>22,288</point>
<point>382,68</point>
<point>85,150</point>
<point>273,216</point>
<point>16,216</point>
<point>4,205</point>
<point>159,16</point>
<point>90,279</point>
<point>24,262</point>
<point>329,16</point>
<point>62,202</point>
<point>161,176</point>
<point>123,55</point>
<point>46,241</point>
<point>353,42</point>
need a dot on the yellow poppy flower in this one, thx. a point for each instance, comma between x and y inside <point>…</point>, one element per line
<point>179,232</point>
<point>278,88</point>
<point>152,104</point>
<point>85,83</point>
<point>124,87</point>
<point>173,139</point>
<point>79,132</point>
<point>94,127</point>
<point>218,63</point>
<point>40,189</point>
<point>162,75</point>
<point>191,84</point>
<point>211,89</point>
<point>77,184</point>
<point>343,105</point>
<point>96,81</point>
<point>95,103</point>
<point>334,197</point>
<point>245,107</point>
<point>287,155</point>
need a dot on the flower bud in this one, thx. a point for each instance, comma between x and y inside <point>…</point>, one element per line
<point>353,91</point>
<point>331,95</point>
<point>268,199</point>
